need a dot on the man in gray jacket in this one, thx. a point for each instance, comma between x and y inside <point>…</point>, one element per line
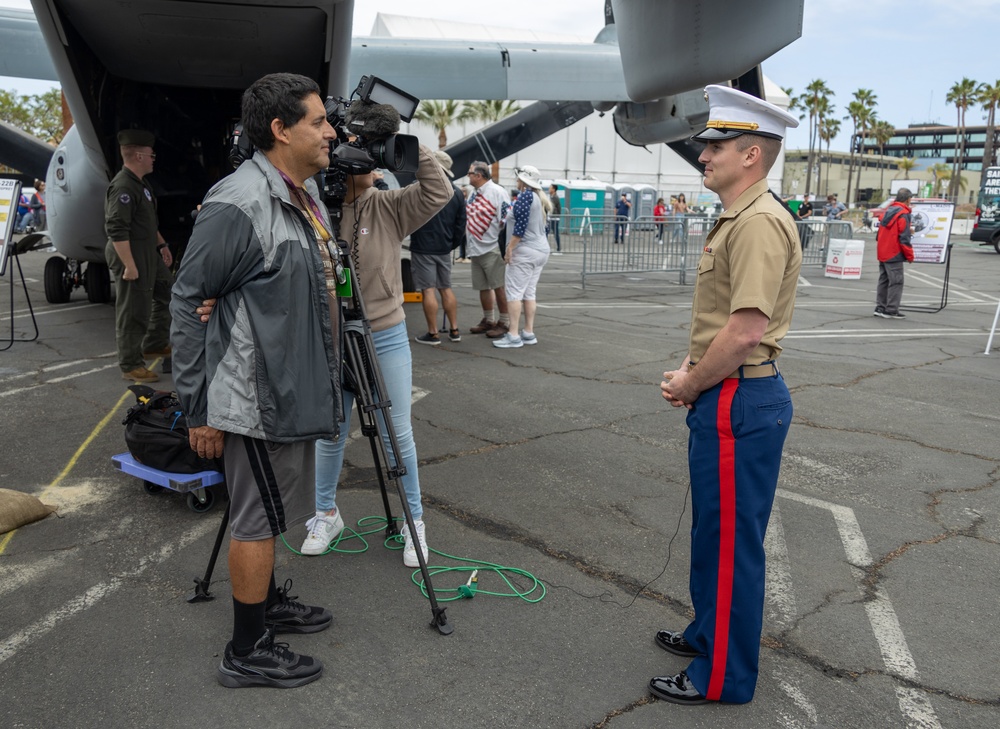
<point>260,382</point>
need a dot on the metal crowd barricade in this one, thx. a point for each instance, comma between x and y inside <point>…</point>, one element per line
<point>644,245</point>
<point>815,237</point>
<point>678,249</point>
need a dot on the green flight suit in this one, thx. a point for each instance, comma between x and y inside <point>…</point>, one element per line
<point>142,316</point>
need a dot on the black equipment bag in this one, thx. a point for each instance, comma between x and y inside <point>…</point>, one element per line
<point>156,433</point>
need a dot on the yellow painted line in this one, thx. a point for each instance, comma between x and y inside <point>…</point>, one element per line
<point>76,457</point>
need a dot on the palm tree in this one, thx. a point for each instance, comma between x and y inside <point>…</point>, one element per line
<point>829,130</point>
<point>866,119</point>
<point>815,101</point>
<point>861,115</point>
<point>962,95</point>
<point>905,165</point>
<point>989,97</point>
<point>883,131</point>
<point>489,111</point>
<point>440,115</point>
<point>942,173</point>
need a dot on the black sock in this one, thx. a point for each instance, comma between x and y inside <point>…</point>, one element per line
<point>272,592</point>
<point>248,625</point>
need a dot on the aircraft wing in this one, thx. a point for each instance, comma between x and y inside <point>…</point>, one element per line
<point>22,49</point>
<point>478,70</point>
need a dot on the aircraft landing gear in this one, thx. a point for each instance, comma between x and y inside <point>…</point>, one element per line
<point>59,280</point>
<point>97,282</point>
<point>62,275</point>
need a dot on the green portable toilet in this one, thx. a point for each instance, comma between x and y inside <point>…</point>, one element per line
<point>584,206</point>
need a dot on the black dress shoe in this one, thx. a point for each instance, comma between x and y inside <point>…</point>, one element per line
<point>673,641</point>
<point>676,689</point>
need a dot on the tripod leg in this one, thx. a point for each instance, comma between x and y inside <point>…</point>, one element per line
<point>361,364</point>
<point>358,383</point>
<point>201,593</point>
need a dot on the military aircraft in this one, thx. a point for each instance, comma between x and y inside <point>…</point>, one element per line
<point>179,67</point>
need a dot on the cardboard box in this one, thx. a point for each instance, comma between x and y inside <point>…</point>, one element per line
<point>843,258</point>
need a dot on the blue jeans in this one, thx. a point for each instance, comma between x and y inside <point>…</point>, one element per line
<point>392,348</point>
<point>554,227</point>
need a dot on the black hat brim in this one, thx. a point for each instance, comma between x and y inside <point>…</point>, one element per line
<point>711,134</point>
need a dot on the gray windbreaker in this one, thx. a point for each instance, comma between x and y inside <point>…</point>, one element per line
<point>267,363</point>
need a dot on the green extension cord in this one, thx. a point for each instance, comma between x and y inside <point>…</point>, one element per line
<point>468,590</point>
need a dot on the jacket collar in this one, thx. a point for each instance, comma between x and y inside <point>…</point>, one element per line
<point>277,185</point>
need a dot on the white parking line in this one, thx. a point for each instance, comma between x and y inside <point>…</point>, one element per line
<point>780,599</point>
<point>914,704</point>
<point>18,390</point>
<point>23,638</point>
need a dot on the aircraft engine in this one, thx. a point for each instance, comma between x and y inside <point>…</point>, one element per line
<point>670,119</point>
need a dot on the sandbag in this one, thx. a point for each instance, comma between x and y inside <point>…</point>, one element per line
<point>18,509</point>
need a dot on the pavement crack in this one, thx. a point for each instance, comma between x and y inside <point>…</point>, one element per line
<point>892,436</point>
<point>500,530</point>
<point>604,723</point>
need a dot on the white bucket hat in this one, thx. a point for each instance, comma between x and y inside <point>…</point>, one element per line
<point>530,176</point>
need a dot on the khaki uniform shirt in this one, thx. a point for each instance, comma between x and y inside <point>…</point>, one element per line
<point>751,260</point>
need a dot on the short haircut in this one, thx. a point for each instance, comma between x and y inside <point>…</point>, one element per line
<point>903,194</point>
<point>482,169</point>
<point>770,148</point>
<point>275,96</point>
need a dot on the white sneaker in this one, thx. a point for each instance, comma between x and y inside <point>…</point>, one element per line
<point>409,550</point>
<point>508,342</point>
<point>323,529</point>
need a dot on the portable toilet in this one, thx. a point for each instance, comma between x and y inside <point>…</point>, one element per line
<point>643,201</point>
<point>583,202</point>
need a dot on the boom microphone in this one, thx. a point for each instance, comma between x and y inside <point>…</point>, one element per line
<point>372,121</point>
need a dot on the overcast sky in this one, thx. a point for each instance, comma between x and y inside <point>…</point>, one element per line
<point>906,53</point>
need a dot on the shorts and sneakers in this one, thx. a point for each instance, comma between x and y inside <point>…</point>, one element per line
<point>521,283</point>
<point>432,272</point>
<point>270,490</point>
<point>487,275</point>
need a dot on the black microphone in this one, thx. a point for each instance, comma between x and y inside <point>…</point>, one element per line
<point>372,121</point>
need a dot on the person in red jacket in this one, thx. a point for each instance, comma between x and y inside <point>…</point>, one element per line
<point>893,249</point>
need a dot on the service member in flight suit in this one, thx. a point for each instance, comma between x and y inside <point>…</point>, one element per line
<point>139,259</point>
<point>738,405</point>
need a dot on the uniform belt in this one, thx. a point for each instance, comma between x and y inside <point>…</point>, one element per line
<point>752,372</point>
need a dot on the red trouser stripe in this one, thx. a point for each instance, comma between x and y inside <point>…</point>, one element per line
<point>727,538</point>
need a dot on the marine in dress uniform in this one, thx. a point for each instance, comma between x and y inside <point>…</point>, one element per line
<point>139,258</point>
<point>739,408</point>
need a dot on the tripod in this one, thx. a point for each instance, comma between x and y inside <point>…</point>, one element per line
<point>363,377</point>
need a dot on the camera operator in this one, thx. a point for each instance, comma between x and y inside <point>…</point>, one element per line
<point>261,382</point>
<point>374,224</point>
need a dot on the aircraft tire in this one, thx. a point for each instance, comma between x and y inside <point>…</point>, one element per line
<point>57,283</point>
<point>97,281</point>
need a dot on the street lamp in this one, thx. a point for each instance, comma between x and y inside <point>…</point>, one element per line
<point>587,149</point>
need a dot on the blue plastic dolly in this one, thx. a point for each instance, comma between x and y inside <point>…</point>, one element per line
<point>199,498</point>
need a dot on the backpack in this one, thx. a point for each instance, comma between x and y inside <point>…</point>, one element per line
<point>156,433</point>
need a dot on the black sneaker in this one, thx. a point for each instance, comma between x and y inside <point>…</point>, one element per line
<point>897,315</point>
<point>288,616</point>
<point>269,664</point>
<point>428,338</point>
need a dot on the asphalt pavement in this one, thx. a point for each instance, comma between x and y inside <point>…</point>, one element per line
<point>562,462</point>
